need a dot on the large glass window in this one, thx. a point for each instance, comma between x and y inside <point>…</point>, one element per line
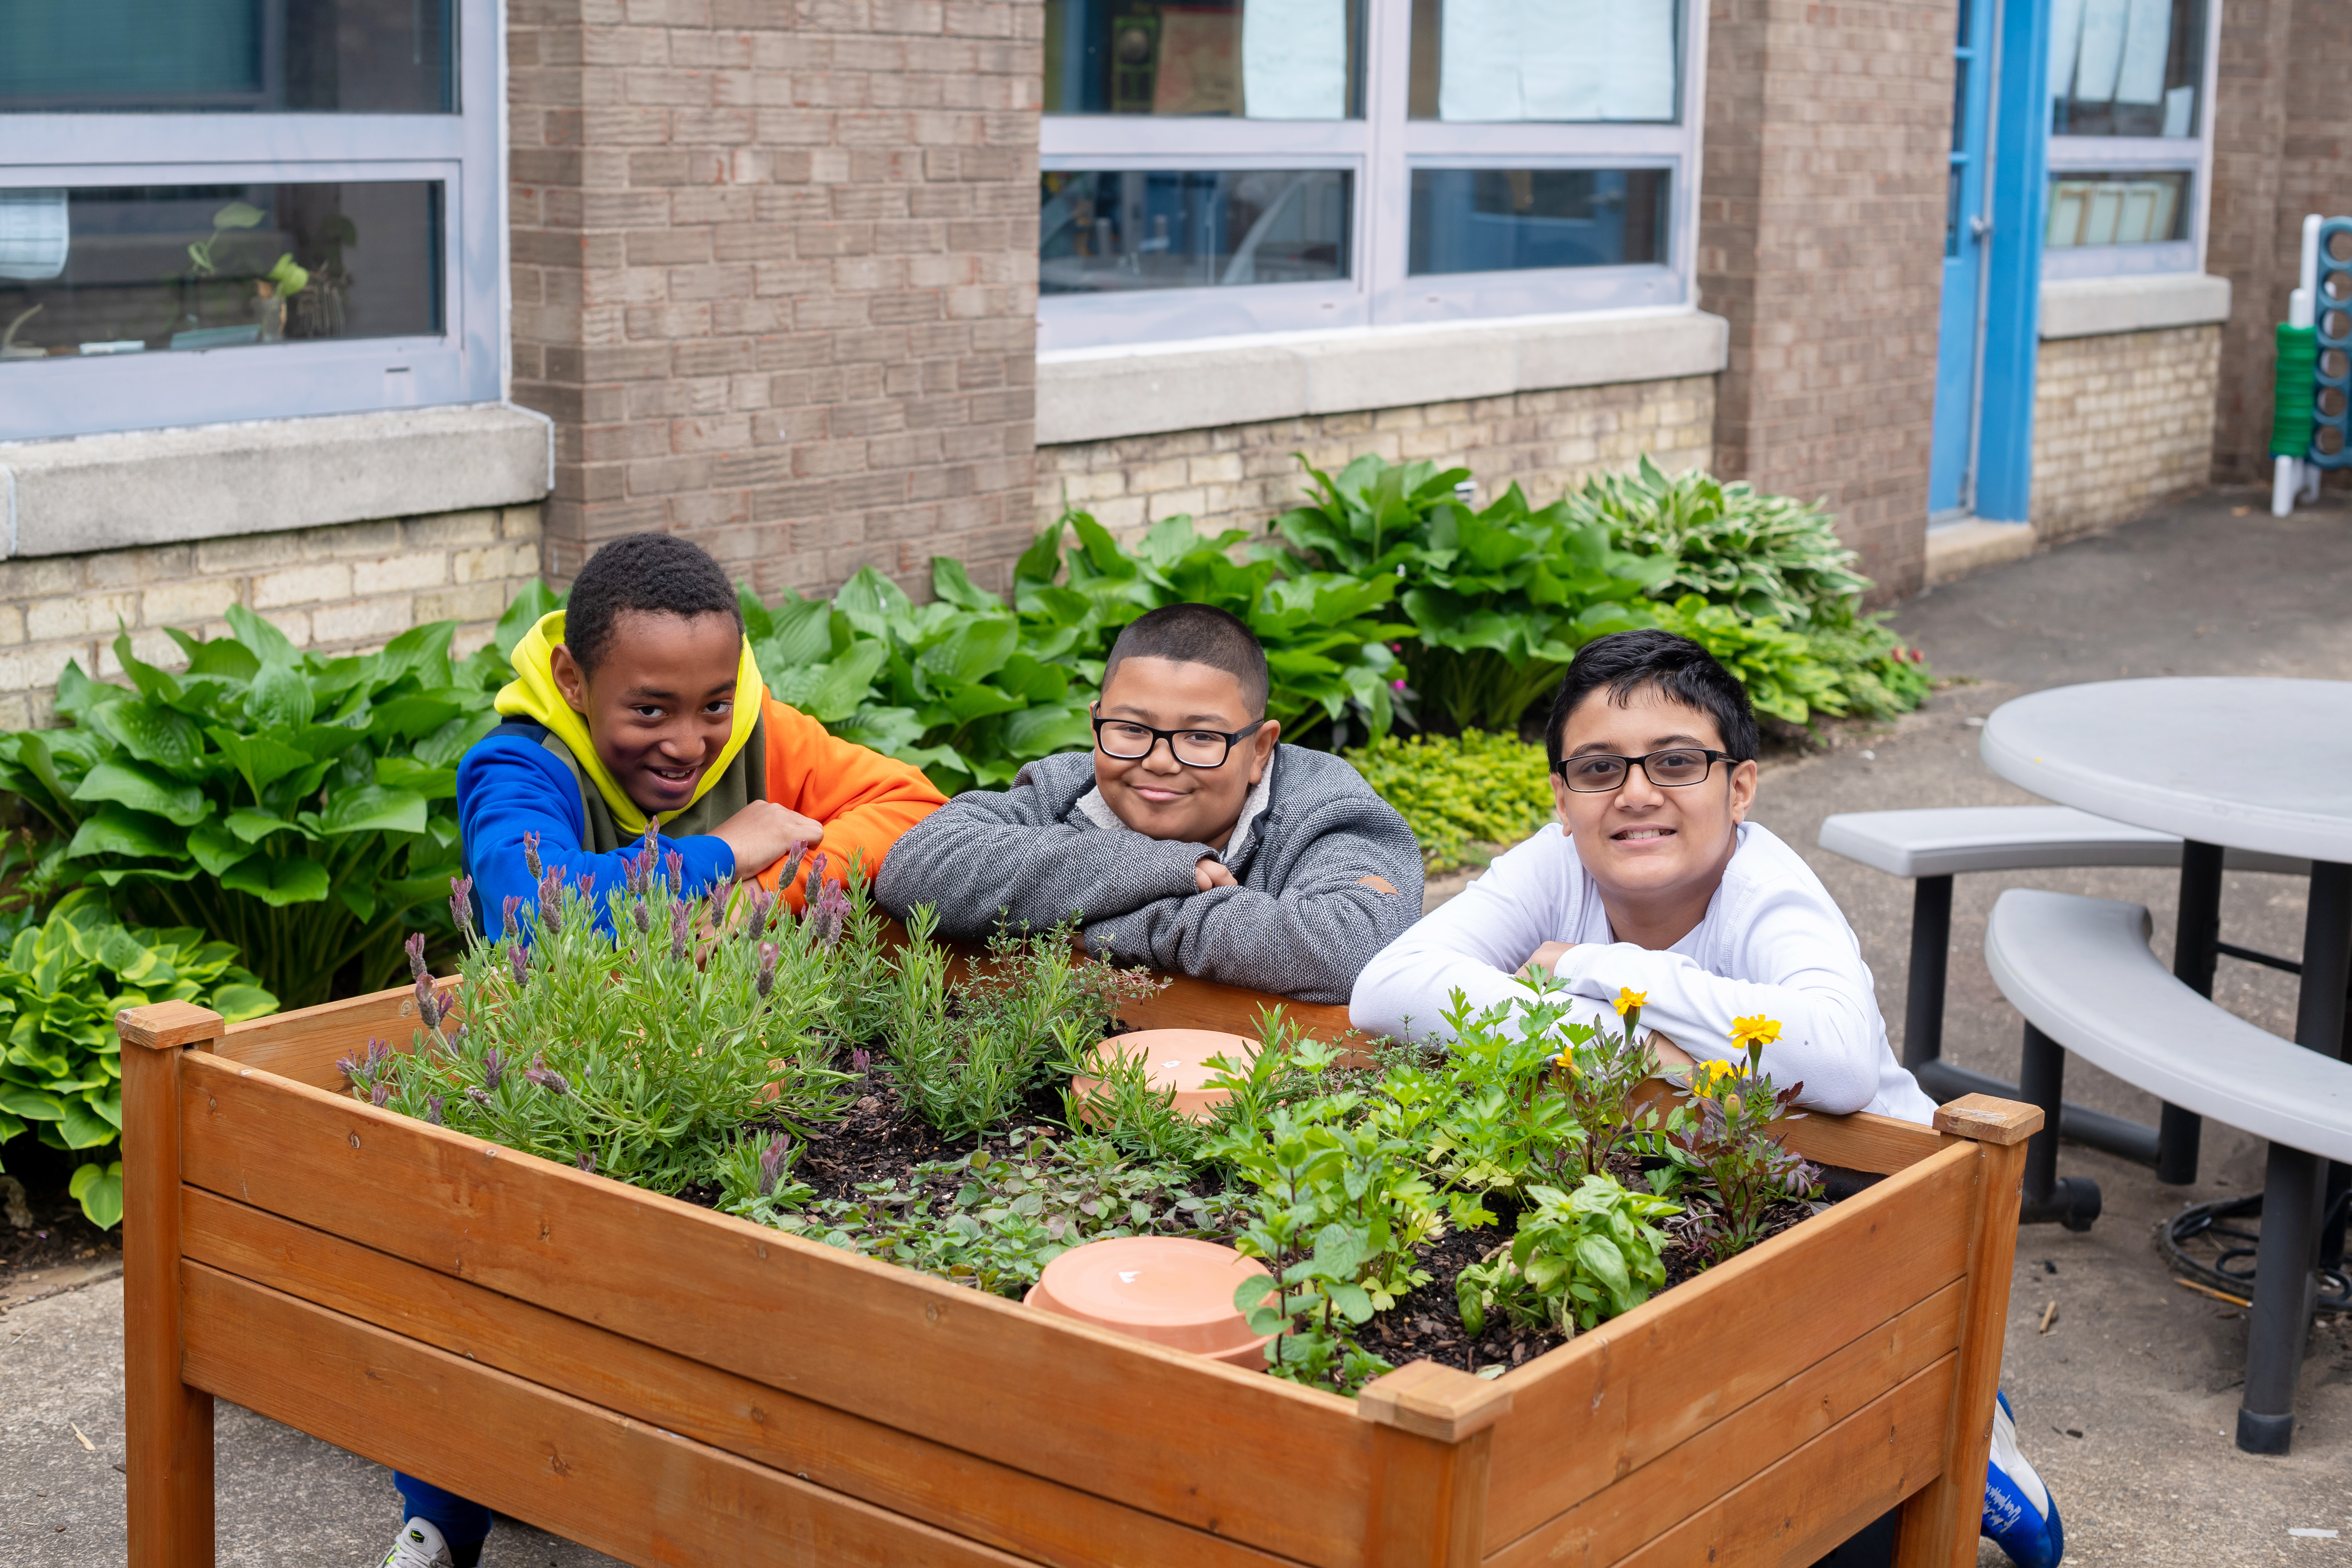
<point>2130,135</point>
<point>232,209</point>
<point>1252,165</point>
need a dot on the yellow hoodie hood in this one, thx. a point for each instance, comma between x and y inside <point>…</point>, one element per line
<point>533,695</point>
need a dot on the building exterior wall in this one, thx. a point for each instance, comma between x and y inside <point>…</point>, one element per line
<point>1821,239</point>
<point>2282,127</point>
<point>2121,423</point>
<point>775,276</point>
<point>341,589</point>
<point>1238,476</point>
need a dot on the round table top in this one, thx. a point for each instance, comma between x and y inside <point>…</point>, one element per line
<point>2249,763</point>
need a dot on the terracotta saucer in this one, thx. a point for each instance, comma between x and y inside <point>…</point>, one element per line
<point>1178,1059</point>
<point>1170,1290</point>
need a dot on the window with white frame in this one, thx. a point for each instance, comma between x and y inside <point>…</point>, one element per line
<point>2131,137</point>
<point>214,210</point>
<point>1220,167</point>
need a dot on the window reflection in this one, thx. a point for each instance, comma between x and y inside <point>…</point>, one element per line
<point>1257,59</point>
<point>1500,220</point>
<point>1509,60</point>
<point>1105,230</point>
<point>2117,209</point>
<point>2126,67</point>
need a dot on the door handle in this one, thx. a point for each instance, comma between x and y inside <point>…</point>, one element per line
<point>1979,227</point>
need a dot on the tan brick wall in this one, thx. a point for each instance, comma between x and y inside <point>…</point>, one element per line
<point>775,276</point>
<point>2121,422</point>
<point>1238,476</point>
<point>1821,241</point>
<point>344,589</point>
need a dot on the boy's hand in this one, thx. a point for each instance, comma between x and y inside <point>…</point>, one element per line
<point>1546,958</point>
<point>763,833</point>
<point>1209,871</point>
<point>1670,1055</point>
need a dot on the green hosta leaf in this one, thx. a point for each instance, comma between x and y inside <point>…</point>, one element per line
<point>253,827</point>
<point>30,1103</point>
<point>264,641</point>
<point>216,846</point>
<point>874,605</point>
<point>116,830</point>
<point>237,1003</point>
<point>408,773</point>
<point>280,696</point>
<point>1041,732</point>
<point>154,733</point>
<point>85,1129</point>
<point>76,692</point>
<point>531,604</point>
<point>799,634</point>
<point>886,729</point>
<point>831,692</point>
<point>294,880</point>
<point>373,808</point>
<point>221,657</point>
<point>98,1190</point>
<point>412,717</point>
<point>144,787</point>
<point>358,897</point>
<point>972,652</point>
<point>951,583</point>
<point>262,760</point>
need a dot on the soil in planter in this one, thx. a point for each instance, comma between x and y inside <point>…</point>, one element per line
<point>58,1232</point>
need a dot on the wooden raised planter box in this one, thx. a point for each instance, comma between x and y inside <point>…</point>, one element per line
<point>668,1385</point>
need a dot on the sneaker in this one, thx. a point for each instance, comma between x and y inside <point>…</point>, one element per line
<point>2018,1516</point>
<point>419,1545</point>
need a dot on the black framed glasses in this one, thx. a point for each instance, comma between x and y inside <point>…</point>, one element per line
<point>1130,742</point>
<point>1678,767</point>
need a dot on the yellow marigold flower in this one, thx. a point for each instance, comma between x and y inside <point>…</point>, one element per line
<point>1628,1000</point>
<point>1756,1031</point>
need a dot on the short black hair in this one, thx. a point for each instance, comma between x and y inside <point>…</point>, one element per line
<point>659,572</point>
<point>1625,662</point>
<point>1196,634</point>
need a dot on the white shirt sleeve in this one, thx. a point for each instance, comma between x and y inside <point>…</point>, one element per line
<point>1473,942</point>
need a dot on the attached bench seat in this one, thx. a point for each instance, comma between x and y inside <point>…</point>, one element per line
<point>2080,971</point>
<point>1939,841</point>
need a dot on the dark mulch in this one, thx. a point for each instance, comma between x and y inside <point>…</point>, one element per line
<point>58,1233</point>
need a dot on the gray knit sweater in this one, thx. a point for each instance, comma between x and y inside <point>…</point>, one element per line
<point>1329,875</point>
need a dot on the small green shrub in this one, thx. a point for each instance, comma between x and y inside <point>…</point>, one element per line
<point>1576,1258</point>
<point>1454,790</point>
<point>1784,680</point>
<point>1722,1143</point>
<point>61,984</point>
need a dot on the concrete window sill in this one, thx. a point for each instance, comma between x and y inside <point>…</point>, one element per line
<point>2095,307</point>
<point>210,482</point>
<point>1096,394</point>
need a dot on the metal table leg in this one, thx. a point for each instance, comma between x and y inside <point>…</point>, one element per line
<point>1923,998</point>
<point>2285,1288</point>
<point>2194,953</point>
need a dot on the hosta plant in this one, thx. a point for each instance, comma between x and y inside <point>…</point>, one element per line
<point>61,984</point>
<point>1458,791</point>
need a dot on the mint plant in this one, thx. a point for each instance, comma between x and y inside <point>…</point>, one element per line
<point>1576,1258</point>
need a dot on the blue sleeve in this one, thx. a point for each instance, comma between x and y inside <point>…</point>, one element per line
<point>506,787</point>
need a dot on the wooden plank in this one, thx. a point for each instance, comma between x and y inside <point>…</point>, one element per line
<point>1819,1495</point>
<point>1988,1120</point>
<point>993,1503</point>
<point>1861,1142</point>
<point>1940,1525</point>
<point>1279,1466</point>
<point>1428,1505</point>
<point>1618,1519</point>
<point>1190,1003</point>
<point>1616,1397</point>
<point>617,1486</point>
<point>168,1426</point>
<point>305,1044</point>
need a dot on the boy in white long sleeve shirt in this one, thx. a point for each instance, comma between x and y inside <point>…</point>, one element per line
<point>1659,884</point>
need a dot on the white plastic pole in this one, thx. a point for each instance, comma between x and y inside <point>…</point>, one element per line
<point>2292,474</point>
<point>2283,483</point>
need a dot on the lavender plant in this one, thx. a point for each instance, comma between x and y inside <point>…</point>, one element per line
<point>635,1046</point>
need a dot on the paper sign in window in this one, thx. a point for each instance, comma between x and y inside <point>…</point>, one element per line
<point>1294,59</point>
<point>1557,60</point>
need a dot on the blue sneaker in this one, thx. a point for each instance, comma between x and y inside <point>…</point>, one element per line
<point>2018,1516</point>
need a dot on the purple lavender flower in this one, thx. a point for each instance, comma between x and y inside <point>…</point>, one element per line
<point>551,900</point>
<point>530,855</point>
<point>829,913</point>
<point>792,865</point>
<point>494,1069</point>
<point>349,1066</point>
<point>378,1055</point>
<point>586,1161</point>
<point>774,1160</point>
<point>761,905</point>
<point>644,919</point>
<point>547,1078</point>
<point>676,865</point>
<point>861,1060</point>
<point>381,1095</point>
<point>767,980</point>
<point>415,946</point>
<point>519,960</point>
<point>461,904</point>
<point>816,872</point>
<point>428,1005</point>
<point>433,1110</point>
<point>509,914</point>
<point>457,1038</point>
<point>679,919</point>
<point>588,886</point>
<point>478,1097</point>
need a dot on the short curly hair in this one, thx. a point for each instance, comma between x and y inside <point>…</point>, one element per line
<point>1196,634</point>
<point>655,573</point>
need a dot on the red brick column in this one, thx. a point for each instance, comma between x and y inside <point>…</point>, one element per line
<point>1821,241</point>
<point>774,269</point>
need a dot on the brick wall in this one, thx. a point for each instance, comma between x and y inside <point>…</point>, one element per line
<point>1821,240</point>
<point>775,275</point>
<point>344,589</point>
<point>2121,422</point>
<point>1238,476</point>
<point>2283,147</point>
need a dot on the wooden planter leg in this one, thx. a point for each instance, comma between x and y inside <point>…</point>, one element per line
<point>1429,1465</point>
<point>1942,1520</point>
<point>168,1425</point>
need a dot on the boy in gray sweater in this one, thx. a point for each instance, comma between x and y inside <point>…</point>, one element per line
<point>1189,839</point>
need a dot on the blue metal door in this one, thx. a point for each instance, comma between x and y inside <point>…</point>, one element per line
<point>1950,482</point>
